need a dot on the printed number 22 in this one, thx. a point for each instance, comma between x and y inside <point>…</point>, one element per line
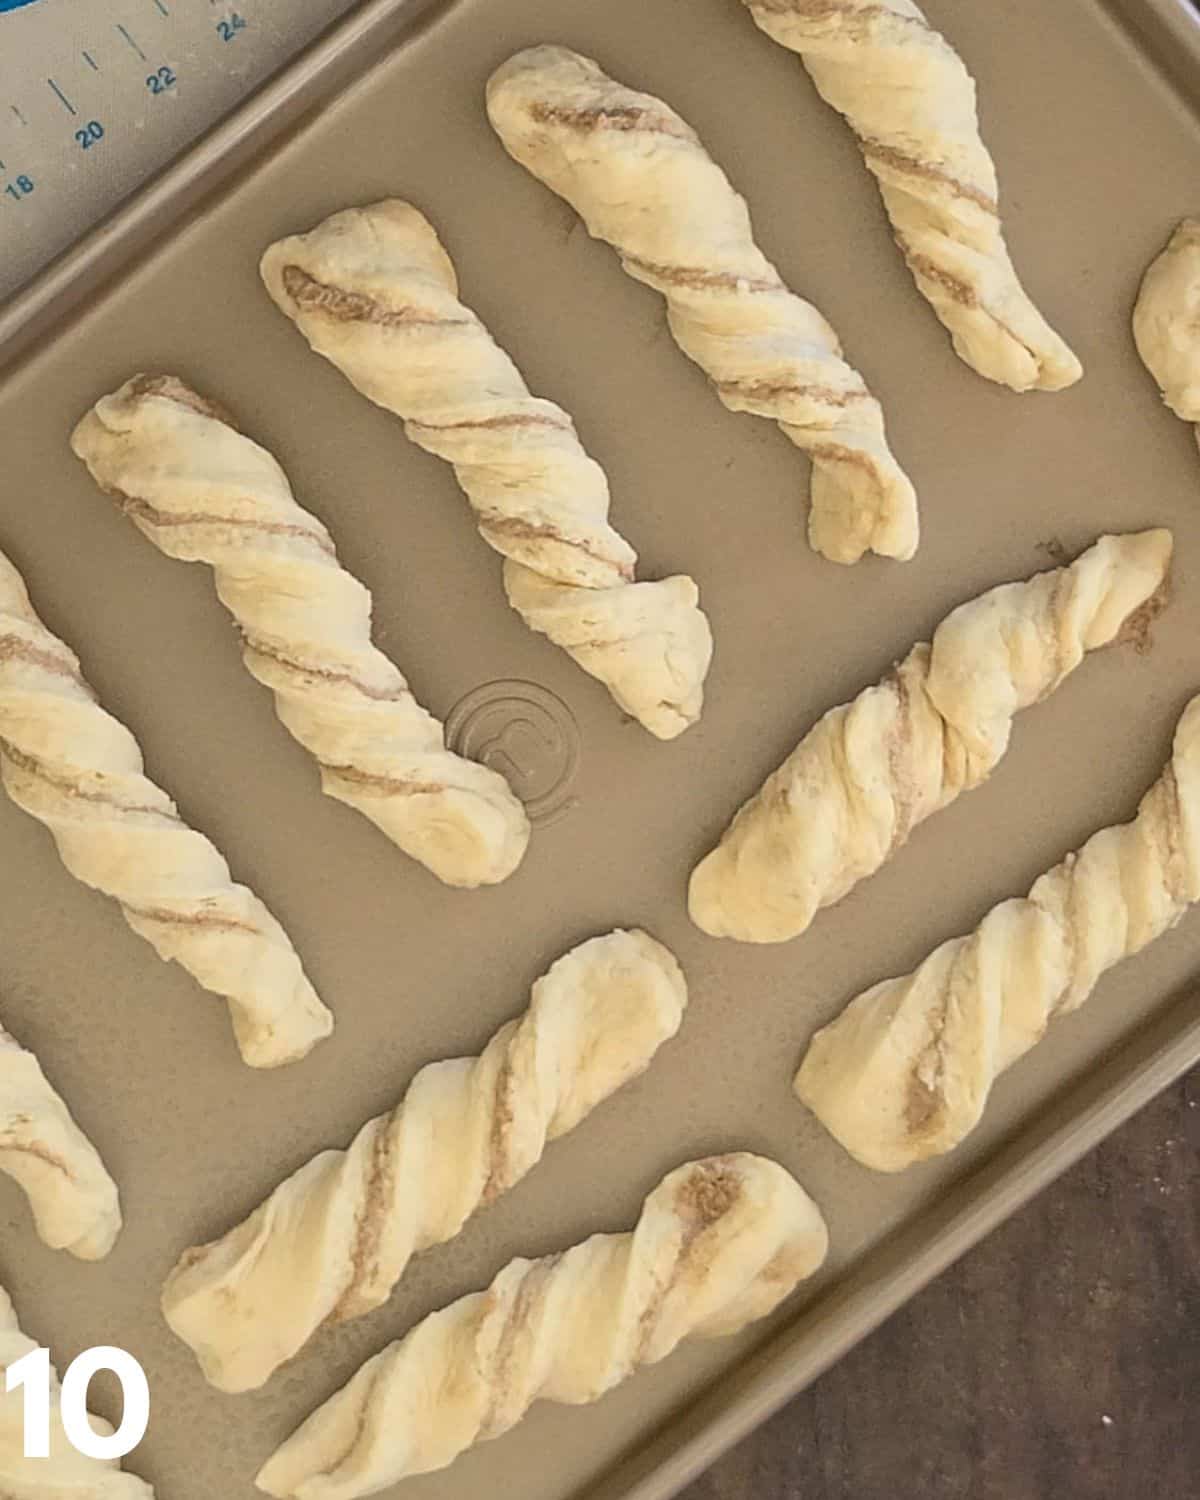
<point>227,30</point>
<point>32,1375</point>
<point>158,82</point>
<point>92,132</point>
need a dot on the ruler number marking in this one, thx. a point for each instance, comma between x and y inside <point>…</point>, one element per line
<point>161,80</point>
<point>20,187</point>
<point>91,133</point>
<point>229,26</point>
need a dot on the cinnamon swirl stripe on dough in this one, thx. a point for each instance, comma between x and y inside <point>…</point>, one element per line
<point>909,99</point>
<point>640,178</point>
<point>202,491</point>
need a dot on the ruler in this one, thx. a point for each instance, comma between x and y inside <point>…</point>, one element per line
<point>95,95</point>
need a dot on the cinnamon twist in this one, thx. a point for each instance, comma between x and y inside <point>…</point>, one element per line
<point>870,771</point>
<point>332,1241</point>
<point>640,178</point>
<point>66,1474</point>
<point>910,101</point>
<point>373,291</point>
<point>72,766</point>
<point>719,1244</point>
<point>1166,322</point>
<point>74,1200</point>
<point>201,491</point>
<point>905,1072</point>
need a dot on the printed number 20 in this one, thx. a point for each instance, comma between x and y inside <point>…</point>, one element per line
<point>32,1375</point>
<point>92,132</point>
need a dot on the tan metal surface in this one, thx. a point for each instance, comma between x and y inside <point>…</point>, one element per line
<point>1097,159</point>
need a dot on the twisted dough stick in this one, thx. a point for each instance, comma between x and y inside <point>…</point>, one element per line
<point>1166,322</point>
<point>200,491</point>
<point>909,99</point>
<point>720,1243</point>
<point>905,1072</point>
<point>868,772</point>
<point>74,1200</point>
<point>67,1474</point>
<point>332,1241</point>
<point>77,770</point>
<point>374,292</point>
<point>640,179</point>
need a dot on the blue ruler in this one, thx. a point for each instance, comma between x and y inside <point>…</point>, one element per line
<point>96,94</point>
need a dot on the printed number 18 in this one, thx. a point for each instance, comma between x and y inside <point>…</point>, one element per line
<point>20,188</point>
<point>32,1375</point>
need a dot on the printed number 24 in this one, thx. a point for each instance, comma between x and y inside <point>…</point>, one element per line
<point>159,82</point>
<point>227,30</point>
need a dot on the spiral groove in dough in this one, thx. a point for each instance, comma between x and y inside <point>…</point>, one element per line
<point>66,1474</point>
<point>332,1241</point>
<point>71,765</point>
<point>910,101</point>
<point>74,1200</point>
<point>719,1243</point>
<point>870,771</point>
<point>374,292</point>
<point>640,179</point>
<point>201,491</point>
<point>905,1072</point>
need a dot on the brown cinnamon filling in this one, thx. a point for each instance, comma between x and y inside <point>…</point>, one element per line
<point>611,117</point>
<point>356,307</point>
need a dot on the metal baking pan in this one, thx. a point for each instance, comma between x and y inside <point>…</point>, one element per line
<point>1099,154</point>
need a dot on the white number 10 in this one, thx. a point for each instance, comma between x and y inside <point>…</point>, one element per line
<point>32,1375</point>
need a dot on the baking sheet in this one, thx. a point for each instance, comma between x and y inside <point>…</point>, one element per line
<point>1097,158</point>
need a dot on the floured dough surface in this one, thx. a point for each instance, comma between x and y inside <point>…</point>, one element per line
<point>910,100</point>
<point>1166,321</point>
<point>203,491</point>
<point>332,1241</point>
<point>640,178</point>
<point>373,291</point>
<point>720,1243</point>
<point>904,1073</point>
<point>75,768</point>
<point>74,1200</point>
<point>871,771</point>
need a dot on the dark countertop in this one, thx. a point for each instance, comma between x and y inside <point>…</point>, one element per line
<point>1058,1361</point>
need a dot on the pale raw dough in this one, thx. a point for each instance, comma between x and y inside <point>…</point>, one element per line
<point>67,1474</point>
<point>74,1200</point>
<point>905,1072</point>
<point>332,1241</point>
<point>77,770</point>
<point>909,99</point>
<point>1166,322</point>
<point>869,771</point>
<point>720,1243</point>
<point>640,179</point>
<point>201,491</point>
<point>373,291</point>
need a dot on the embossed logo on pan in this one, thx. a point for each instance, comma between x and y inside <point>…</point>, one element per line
<point>527,734</point>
